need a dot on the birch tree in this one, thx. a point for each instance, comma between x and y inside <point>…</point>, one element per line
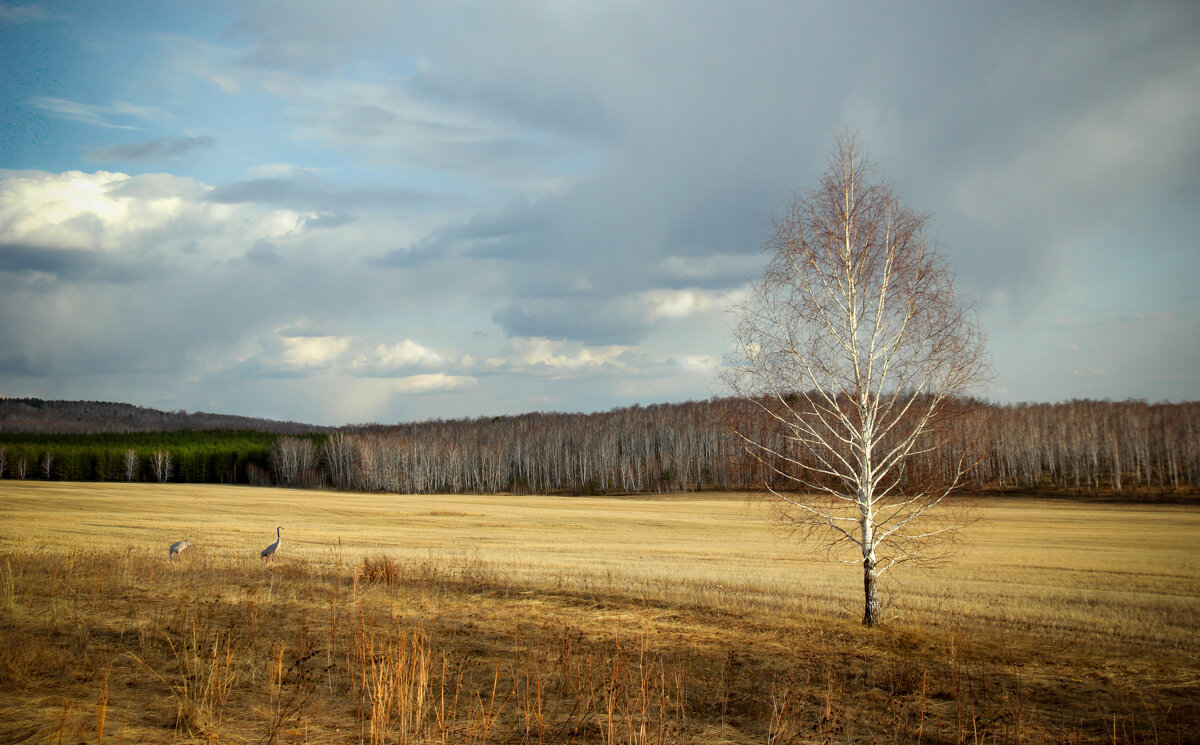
<point>160,465</point>
<point>129,463</point>
<point>853,347</point>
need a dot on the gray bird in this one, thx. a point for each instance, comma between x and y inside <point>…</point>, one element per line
<point>176,548</point>
<point>269,551</point>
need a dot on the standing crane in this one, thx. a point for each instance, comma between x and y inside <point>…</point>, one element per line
<point>269,551</point>
<point>176,548</point>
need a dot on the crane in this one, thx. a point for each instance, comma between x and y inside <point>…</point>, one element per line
<point>269,551</point>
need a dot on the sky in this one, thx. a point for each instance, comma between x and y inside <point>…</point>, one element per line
<point>375,211</point>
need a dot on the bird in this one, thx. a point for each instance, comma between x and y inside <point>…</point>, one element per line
<point>269,551</point>
<point>176,548</point>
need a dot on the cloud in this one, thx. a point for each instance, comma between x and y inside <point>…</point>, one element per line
<point>576,191</point>
<point>717,272</point>
<point>263,254</point>
<point>433,383</point>
<point>701,363</point>
<point>308,192</point>
<point>313,352</point>
<point>1081,127</point>
<point>134,218</point>
<point>73,265</point>
<point>110,116</point>
<point>312,37</point>
<point>620,320</point>
<point>676,304</point>
<point>386,360</point>
<point>20,259</point>
<point>310,347</point>
<point>560,358</point>
<point>409,257</point>
<point>588,321</point>
<point>391,124</point>
<point>150,150</point>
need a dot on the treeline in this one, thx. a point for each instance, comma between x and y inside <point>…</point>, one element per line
<point>1090,447</point>
<point>218,456</point>
<point>35,415</point>
<point>1094,447</point>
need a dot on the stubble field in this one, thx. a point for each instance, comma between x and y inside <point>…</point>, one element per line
<point>395,618</point>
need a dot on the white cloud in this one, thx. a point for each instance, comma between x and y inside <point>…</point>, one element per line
<point>408,353</point>
<point>546,356</point>
<point>677,304</point>
<point>701,363</point>
<point>313,352</point>
<point>388,359</point>
<point>114,116</point>
<point>432,383</point>
<point>152,214</point>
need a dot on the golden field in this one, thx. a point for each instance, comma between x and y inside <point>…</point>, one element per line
<point>686,618</point>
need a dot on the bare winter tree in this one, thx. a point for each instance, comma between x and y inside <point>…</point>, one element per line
<point>854,346</point>
<point>160,465</point>
<point>129,463</point>
<point>294,460</point>
<point>338,456</point>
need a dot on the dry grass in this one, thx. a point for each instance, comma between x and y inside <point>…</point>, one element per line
<point>552,620</point>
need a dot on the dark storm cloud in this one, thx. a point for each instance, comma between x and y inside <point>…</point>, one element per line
<point>65,263</point>
<point>73,265</point>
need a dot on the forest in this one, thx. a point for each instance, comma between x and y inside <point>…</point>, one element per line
<point>35,415</point>
<point>1125,448</point>
<point>204,456</point>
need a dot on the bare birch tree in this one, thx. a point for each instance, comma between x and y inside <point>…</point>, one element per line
<point>160,465</point>
<point>854,347</point>
<point>129,463</point>
<point>295,461</point>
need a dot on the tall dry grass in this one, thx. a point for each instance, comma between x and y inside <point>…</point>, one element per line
<point>496,619</point>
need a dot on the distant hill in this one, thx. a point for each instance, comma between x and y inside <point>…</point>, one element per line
<point>34,415</point>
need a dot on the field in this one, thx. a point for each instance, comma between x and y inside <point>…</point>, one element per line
<point>507,619</point>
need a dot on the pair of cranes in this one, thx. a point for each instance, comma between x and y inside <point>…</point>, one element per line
<point>267,552</point>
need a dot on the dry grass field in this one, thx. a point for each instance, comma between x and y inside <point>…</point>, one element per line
<point>473,619</point>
